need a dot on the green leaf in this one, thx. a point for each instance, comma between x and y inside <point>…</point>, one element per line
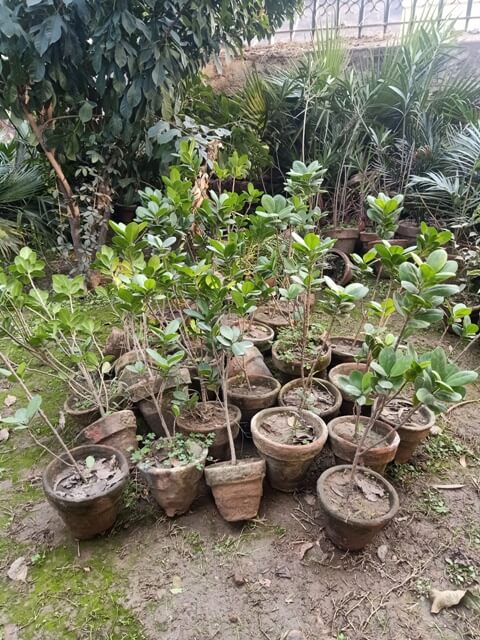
<point>461,378</point>
<point>85,113</point>
<point>437,259</point>
<point>89,462</point>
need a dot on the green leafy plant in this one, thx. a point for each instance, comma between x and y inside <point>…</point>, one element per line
<point>385,212</point>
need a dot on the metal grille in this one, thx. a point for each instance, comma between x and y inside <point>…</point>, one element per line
<point>377,17</point>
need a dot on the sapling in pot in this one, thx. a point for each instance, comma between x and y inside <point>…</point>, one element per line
<point>84,484</point>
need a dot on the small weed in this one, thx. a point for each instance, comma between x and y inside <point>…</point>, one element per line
<point>404,472</point>
<point>441,449</point>
<point>195,541</point>
<point>422,587</point>
<point>432,502</point>
<point>262,525</point>
<point>460,570</point>
<point>230,545</point>
<point>473,533</point>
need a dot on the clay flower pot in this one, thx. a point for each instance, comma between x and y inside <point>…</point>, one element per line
<point>338,267</point>
<point>341,431</point>
<point>237,488</point>
<point>293,368</point>
<point>263,394</point>
<point>344,349</point>
<point>175,488</point>
<point>287,464</point>
<point>345,369</point>
<point>346,238</point>
<point>81,417</point>
<point>208,418</point>
<point>327,410</point>
<point>274,316</point>
<point>259,334</point>
<point>117,430</point>
<point>367,238</point>
<point>413,432</point>
<point>408,230</point>
<point>93,515</point>
<point>343,525</point>
<point>150,414</point>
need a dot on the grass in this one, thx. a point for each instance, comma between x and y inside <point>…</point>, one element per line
<point>432,503</point>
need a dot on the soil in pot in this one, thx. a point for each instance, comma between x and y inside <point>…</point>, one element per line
<point>344,442</point>
<point>344,349</point>
<point>82,411</point>
<point>260,392</point>
<point>273,314</point>
<point>355,511</point>
<point>323,398</point>
<point>117,430</point>
<point>209,417</point>
<point>289,440</point>
<point>287,357</point>
<point>413,432</point>
<point>91,507</point>
<point>338,267</point>
<point>237,488</point>
<point>174,480</point>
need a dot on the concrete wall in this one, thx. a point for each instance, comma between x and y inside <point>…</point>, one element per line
<point>231,77</point>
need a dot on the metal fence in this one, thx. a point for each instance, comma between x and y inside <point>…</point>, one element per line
<point>359,18</point>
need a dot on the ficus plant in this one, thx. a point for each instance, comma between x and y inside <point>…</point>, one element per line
<point>52,327</point>
<point>436,382</point>
<point>384,212</point>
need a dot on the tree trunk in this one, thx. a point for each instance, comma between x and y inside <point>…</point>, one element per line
<point>63,184</point>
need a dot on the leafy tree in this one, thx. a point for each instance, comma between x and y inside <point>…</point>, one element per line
<point>91,76</point>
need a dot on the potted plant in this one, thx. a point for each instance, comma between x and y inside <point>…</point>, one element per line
<point>384,212</point>
<point>56,331</point>
<point>237,485</point>
<point>84,484</point>
<point>304,347</point>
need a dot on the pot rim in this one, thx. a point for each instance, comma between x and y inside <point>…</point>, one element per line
<point>77,412</point>
<point>213,475</point>
<point>318,443</point>
<point>296,382</point>
<point>342,369</point>
<point>377,450</point>
<point>394,499</point>
<point>79,452</point>
<point>155,470</point>
<point>274,387</point>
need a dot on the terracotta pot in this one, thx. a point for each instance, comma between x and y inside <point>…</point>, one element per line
<point>268,314</point>
<point>252,363</point>
<point>263,343</point>
<point>150,415</point>
<point>251,403</point>
<point>294,368</point>
<point>347,273</point>
<point>117,430</point>
<point>81,417</point>
<point>366,239</point>
<point>115,344</point>
<point>343,349</point>
<point>345,369</point>
<point>376,458</point>
<point>258,333</point>
<point>237,489</point>
<point>176,488</point>
<point>91,516</point>
<point>344,529</point>
<point>408,230</point>
<point>287,464</point>
<point>346,238</point>
<point>325,385</point>
<point>220,449</point>
<point>411,434</point>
